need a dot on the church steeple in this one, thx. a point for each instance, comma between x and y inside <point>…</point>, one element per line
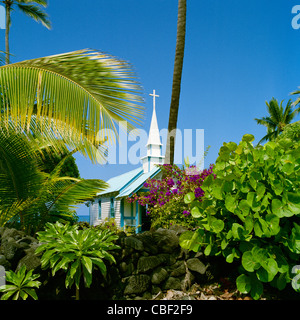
<point>154,145</point>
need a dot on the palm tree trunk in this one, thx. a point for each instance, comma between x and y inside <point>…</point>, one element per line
<point>7,8</point>
<point>178,65</point>
<point>77,294</point>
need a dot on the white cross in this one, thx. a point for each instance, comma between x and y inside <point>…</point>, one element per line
<point>154,96</point>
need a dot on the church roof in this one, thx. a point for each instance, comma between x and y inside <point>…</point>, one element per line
<point>118,183</point>
<point>128,183</point>
<point>138,183</point>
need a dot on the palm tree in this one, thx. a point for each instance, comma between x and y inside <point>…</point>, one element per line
<point>277,119</point>
<point>29,7</point>
<point>28,193</point>
<point>78,98</point>
<point>178,65</point>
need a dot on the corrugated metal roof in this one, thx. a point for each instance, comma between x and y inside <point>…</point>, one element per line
<point>120,182</point>
<point>138,183</point>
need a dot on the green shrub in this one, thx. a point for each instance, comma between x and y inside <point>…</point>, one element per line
<point>250,212</point>
<point>75,251</point>
<point>21,285</point>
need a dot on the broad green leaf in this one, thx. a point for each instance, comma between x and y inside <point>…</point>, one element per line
<point>230,258</point>
<point>196,212</point>
<point>253,203</point>
<point>282,281</point>
<point>248,138</point>
<point>224,244</point>
<point>273,223</point>
<point>32,293</point>
<point>277,208</point>
<point>249,262</point>
<point>244,207</point>
<point>260,191</point>
<point>87,276</point>
<point>294,198</point>
<point>265,228</point>
<point>231,146</point>
<point>249,223</point>
<point>238,231</point>
<point>87,263</point>
<point>189,197</point>
<point>218,225</point>
<point>185,239</point>
<point>245,187</point>
<point>267,271</point>
<point>99,262</point>
<point>253,182</point>
<point>230,203</point>
<point>277,187</point>
<point>208,249</point>
<point>288,168</point>
<point>259,254</point>
<point>7,295</point>
<point>243,283</point>
<point>228,186</point>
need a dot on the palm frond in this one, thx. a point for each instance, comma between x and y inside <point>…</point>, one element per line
<point>43,3</point>
<point>29,193</point>
<point>69,193</point>
<point>35,13</point>
<point>85,91</point>
<point>274,110</point>
<point>19,169</point>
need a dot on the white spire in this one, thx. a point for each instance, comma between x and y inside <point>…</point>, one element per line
<point>154,137</point>
<point>154,146</point>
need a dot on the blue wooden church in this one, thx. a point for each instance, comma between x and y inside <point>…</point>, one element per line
<point>112,203</point>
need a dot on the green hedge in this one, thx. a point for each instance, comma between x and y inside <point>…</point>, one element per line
<point>250,213</point>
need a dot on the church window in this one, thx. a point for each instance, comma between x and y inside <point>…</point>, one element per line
<point>99,209</point>
<point>112,208</point>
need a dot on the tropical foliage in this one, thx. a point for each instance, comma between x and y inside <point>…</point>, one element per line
<point>54,104</point>
<point>22,285</point>
<point>78,252</point>
<point>31,196</point>
<point>79,97</point>
<point>277,119</point>
<point>291,131</point>
<point>250,212</point>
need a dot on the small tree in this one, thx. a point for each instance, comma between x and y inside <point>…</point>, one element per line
<point>277,118</point>
<point>75,251</point>
<point>21,285</point>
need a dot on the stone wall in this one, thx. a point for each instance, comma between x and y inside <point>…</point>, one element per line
<point>147,263</point>
<point>153,262</point>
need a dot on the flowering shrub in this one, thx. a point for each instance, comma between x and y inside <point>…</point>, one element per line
<point>165,198</point>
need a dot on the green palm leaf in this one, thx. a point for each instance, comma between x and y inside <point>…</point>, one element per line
<point>84,92</point>
<point>35,13</point>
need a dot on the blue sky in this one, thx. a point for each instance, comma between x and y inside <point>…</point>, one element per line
<point>238,55</point>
